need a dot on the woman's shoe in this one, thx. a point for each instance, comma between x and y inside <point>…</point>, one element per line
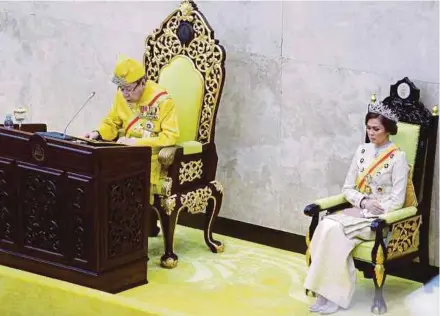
<point>329,308</point>
<point>319,303</point>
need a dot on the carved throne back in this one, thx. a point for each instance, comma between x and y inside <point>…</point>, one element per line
<point>184,57</point>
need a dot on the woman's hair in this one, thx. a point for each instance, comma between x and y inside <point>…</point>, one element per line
<point>390,126</point>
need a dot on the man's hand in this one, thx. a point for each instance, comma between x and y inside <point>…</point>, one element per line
<point>373,207</point>
<point>92,135</point>
<point>127,141</point>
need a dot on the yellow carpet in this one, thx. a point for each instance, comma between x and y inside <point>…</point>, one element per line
<point>247,279</point>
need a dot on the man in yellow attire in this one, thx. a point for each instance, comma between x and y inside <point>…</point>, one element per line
<point>142,114</point>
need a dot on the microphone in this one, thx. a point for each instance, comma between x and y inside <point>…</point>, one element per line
<point>80,109</point>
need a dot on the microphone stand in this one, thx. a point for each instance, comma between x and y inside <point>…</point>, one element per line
<point>85,103</point>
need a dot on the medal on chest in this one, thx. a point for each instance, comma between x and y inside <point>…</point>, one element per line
<point>148,126</point>
<point>368,180</point>
<point>150,113</point>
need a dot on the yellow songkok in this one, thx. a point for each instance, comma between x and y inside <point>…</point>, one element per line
<point>127,70</point>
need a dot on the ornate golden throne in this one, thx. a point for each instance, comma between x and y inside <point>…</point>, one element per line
<point>401,236</point>
<point>184,57</point>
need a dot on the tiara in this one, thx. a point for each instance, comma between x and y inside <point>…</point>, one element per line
<point>380,108</point>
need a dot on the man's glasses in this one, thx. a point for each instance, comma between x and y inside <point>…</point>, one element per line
<point>129,89</point>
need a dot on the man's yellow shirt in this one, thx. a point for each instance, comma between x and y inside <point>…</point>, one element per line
<point>152,120</point>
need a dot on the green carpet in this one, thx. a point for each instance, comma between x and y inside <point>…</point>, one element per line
<point>250,279</point>
<point>247,279</point>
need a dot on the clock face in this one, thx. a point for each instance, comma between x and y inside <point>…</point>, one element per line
<point>403,90</point>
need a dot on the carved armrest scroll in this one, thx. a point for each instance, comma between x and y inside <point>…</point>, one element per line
<point>181,172</point>
<point>166,156</point>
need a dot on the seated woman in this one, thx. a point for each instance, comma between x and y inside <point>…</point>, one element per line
<point>375,184</point>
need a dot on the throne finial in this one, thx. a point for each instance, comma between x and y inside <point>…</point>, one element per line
<point>373,98</point>
<point>435,110</point>
<point>186,8</point>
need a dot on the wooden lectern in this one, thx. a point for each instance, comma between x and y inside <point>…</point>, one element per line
<point>73,210</point>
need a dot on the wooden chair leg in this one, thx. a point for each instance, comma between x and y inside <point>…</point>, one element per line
<point>378,258</point>
<point>154,230</point>
<point>168,222</point>
<point>212,210</point>
<point>309,236</point>
<point>379,307</point>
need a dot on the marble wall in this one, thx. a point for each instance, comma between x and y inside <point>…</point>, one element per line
<point>299,76</point>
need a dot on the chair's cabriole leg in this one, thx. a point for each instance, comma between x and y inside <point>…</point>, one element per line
<point>212,210</point>
<point>378,255</point>
<point>154,230</point>
<point>309,236</point>
<point>168,213</point>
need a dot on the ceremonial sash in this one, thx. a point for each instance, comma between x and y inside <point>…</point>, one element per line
<point>130,125</point>
<point>377,164</point>
<point>136,119</point>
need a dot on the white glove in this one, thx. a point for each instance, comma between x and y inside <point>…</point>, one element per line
<point>373,206</point>
<point>92,135</point>
<point>127,141</point>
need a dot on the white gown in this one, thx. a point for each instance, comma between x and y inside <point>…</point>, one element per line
<point>332,273</point>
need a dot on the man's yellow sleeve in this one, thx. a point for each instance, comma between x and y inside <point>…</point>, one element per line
<point>111,124</point>
<point>169,128</point>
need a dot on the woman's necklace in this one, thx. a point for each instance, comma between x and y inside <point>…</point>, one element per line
<point>379,149</point>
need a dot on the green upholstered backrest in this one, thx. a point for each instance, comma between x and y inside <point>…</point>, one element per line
<point>407,138</point>
<point>185,84</point>
<point>184,57</point>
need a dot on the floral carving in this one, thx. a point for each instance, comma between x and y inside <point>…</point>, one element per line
<point>126,210</point>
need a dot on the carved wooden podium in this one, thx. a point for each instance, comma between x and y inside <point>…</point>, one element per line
<point>73,210</point>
